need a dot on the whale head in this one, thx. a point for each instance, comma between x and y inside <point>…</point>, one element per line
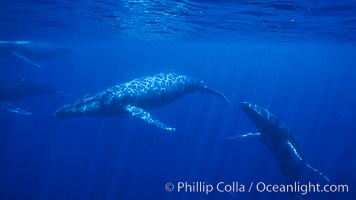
<point>83,107</point>
<point>104,104</point>
<point>267,123</point>
<point>257,114</point>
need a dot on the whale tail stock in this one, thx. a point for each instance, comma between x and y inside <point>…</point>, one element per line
<point>216,93</point>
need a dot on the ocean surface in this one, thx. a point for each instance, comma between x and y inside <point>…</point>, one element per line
<point>295,58</point>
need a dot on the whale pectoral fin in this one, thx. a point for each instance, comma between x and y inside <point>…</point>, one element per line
<point>24,58</point>
<point>298,157</point>
<point>146,116</point>
<point>256,136</point>
<point>295,153</point>
<point>11,108</point>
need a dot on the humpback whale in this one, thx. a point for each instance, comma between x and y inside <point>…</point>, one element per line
<point>24,88</point>
<point>279,140</point>
<point>31,51</point>
<point>136,96</point>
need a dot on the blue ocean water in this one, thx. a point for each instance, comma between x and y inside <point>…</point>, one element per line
<point>295,58</point>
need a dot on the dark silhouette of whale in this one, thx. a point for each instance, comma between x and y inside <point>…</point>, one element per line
<point>137,95</point>
<point>280,141</point>
<point>32,51</point>
<point>22,89</point>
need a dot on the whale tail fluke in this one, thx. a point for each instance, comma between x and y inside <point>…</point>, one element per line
<point>216,93</point>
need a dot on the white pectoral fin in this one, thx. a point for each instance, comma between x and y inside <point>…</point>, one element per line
<point>256,136</point>
<point>146,116</point>
<point>11,108</point>
<point>24,58</point>
<point>295,153</point>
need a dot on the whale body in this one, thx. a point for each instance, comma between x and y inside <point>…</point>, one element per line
<point>136,96</point>
<point>279,140</point>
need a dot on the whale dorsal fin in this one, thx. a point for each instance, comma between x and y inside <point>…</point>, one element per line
<point>146,116</point>
<point>11,108</point>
